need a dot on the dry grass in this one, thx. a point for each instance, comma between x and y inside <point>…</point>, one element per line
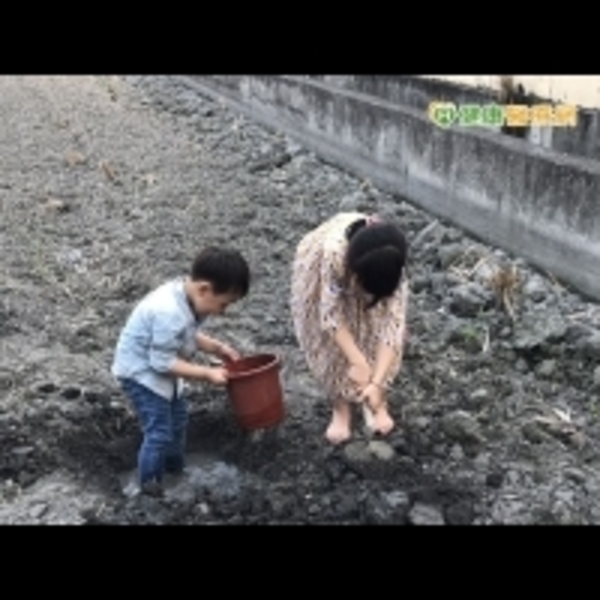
<point>505,283</point>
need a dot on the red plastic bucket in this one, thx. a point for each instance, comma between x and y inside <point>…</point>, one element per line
<point>255,392</point>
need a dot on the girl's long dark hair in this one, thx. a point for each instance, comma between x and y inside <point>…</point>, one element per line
<point>376,255</point>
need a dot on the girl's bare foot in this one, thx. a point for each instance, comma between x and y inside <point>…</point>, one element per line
<point>339,427</point>
<point>382,421</point>
<point>375,410</point>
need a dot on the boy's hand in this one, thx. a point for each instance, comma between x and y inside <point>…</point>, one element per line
<point>227,353</point>
<point>216,375</point>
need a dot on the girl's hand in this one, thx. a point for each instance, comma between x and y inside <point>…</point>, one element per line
<point>360,374</point>
<point>373,396</point>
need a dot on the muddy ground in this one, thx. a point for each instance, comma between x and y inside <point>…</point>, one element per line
<point>109,185</point>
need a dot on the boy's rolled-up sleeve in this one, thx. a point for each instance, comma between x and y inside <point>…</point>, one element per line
<point>166,342</point>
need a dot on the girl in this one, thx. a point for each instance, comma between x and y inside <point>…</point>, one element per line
<point>349,297</point>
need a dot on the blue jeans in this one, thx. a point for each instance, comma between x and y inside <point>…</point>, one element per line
<point>164,425</point>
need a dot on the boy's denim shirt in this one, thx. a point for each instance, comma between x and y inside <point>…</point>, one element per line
<point>161,328</point>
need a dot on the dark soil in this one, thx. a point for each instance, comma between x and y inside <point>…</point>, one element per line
<point>108,186</point>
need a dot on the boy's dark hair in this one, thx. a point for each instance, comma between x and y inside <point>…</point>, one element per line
<point>225,268</point>
<point>377,255</point>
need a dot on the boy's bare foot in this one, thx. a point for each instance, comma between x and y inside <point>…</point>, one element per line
<point>339,427</point>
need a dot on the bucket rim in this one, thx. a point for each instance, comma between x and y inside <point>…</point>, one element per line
<point>275,360</point>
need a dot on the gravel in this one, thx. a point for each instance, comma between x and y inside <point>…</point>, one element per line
<point>109,185</point>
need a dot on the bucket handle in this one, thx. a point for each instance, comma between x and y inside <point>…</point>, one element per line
<point>278,359</point>
<point>224,362</point>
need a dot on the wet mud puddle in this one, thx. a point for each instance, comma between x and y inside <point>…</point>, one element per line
<point>204,475</point>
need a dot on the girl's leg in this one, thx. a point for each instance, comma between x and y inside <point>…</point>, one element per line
<point>339,427</point>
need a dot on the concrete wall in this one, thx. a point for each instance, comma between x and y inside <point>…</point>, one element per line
<point>541,206</point>
<point>581,90</point>
<point>407,90</point>
<point>418,91</point>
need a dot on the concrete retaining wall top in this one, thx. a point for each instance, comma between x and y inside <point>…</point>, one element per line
<point>515,195</point>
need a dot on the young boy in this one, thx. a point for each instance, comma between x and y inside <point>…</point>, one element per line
<point>154,353</point>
